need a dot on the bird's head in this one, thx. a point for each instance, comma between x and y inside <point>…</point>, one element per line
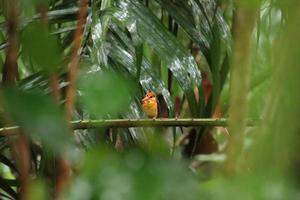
<point>149,96</point>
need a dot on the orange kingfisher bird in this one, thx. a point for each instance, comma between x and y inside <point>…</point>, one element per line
<point>150,104</point>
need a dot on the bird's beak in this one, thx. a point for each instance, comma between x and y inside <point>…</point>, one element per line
<point>146,98</point>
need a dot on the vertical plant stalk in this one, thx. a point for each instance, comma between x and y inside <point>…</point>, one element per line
<point>10,69</point>
<point>63,172</point>
<point>53,79</point>
<point>74,63</point>
<point>54,85</point>
<point>243,23</point>
<point>276,144</point>
<point>20,145</point>
<point>64,166</point>
<point>22,156</point>
<point>63,176</point>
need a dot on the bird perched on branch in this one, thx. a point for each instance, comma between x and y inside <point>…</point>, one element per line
<point>149,103</point>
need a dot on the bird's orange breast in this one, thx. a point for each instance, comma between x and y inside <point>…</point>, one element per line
<point>150,108</point>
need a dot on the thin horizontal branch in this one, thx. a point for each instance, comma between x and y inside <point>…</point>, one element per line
<point>127,123</point>
<point>164,122</point>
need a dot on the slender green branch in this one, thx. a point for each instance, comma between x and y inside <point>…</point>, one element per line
<point>126,123</point>
<point>169,122</point>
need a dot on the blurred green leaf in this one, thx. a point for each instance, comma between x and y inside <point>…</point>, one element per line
<point>106,94</point>
<point>133,175</point>
<point>43,50</point>
<point>37,190</point>
<point>30,6</point>
<point>39,117</point>
<point>247,187</point>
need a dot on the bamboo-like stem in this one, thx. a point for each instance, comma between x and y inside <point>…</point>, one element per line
<point>127,123</point>
<point>243,24</point>
<point>168,122</point>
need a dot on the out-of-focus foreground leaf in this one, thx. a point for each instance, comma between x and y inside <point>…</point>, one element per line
<point>39,118</point>
<point>133,175</point>
<point>105,94</point>
<point>43,50</point>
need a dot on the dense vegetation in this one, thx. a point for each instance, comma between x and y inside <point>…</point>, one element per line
<point>69,65</point>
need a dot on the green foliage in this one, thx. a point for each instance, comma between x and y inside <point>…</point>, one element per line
<point>150,29</point>
<point>43,51</point>
<point>112,91</point>
<point>39,117</point>
<point>132,175</point>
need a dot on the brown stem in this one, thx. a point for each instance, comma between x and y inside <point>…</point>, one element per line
<point>54,81</point>
<point>74,63</point>
<point>22,156</point>
<point>54,85</point>
<point>64,167</point>
<point>10,68</point>
<point>63,173</point>
<point>63,176</point>
<point>20,147</point>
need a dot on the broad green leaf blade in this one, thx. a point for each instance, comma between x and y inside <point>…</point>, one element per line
<point>39,117</point>
<point>99,27</point>
<point>112,50</point>
<point>123,52</point>
<point>154,33</point>
<point>182,12</point>
<point>122,59</point>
